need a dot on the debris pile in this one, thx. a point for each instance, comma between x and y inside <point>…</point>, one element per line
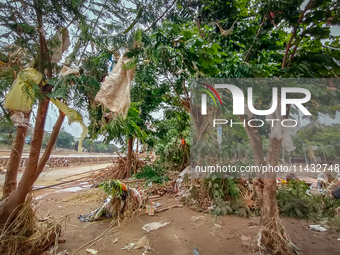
<point>122,169</point>
<point>122,201</point>
<point>27,234</point>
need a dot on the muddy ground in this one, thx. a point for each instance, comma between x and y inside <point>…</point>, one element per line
<point>210,235</point>
<point>187,230</point>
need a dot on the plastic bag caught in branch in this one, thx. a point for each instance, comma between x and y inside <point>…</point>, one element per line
<point>114,93</point>
<point>63,39</point>
<point>69,70</point>
<point>73,116</point>
<point>19,119</point>
<point>16,99</point>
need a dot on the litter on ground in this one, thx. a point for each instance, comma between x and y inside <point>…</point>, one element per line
<point>317,228</point>
<point>154,226</point>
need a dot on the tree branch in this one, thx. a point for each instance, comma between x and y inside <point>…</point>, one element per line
<point>308,6</point>
<point>161,16</point>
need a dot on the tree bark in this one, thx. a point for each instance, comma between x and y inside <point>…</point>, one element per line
<point>269,206</point>
<point>256,144</point>
<point>12,204</point>
<point>10,183</point>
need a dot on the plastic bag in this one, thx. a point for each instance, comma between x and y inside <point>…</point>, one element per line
<point>16,99</point>
<point>154,226</point>
<point>142,243</point>
<point>73,116</point>
<point>114,92</point>
<point>62,36</point>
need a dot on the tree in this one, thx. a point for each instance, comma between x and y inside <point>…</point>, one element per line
<point>65,140</point>
<point>259,37</point>
<point>101,148</point>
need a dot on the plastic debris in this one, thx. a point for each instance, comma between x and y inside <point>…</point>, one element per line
<point>317,228</point>
<point>62,36</point>
<point>19,119</point>
<point>156,205</point>
<point>114,92</point>
<point>15,99</point>
<point>150,209</point>
<point>195,252</point>
<point>141,243</point>
<point>92,251</point>
<point>154,226</point>
<point>73,116</point>
<point>69,70</point>
<point>63,253</point>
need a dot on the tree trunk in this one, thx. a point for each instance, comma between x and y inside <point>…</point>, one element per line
<point>12,204</point>
<point>49,146</point>
<point>269,206</point>
<point>256,144</point>
<point>10,183</point>
<point>283,156</point>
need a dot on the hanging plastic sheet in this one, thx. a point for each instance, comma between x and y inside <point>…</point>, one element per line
<point>73,116</point>
<point>62,36</point>
<point>69,70</point>
<point>20,96</point>
<point>114,92</point>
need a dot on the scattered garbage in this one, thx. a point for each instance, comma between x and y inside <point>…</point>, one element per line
<point>2,170</point>
<point>154,226</point>
<point>317,228</point>
<point>336,192</point>
<point>150,209</point>
<point>63,253</point>
<point>92,251</point>
<point>141,243</point>
<point>156,205</point>
<point>196,252</point>
<point>122,199</point>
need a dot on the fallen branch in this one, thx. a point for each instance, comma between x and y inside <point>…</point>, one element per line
<point>168,208</point>
<point>60,183</point>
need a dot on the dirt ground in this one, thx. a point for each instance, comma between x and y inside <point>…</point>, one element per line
<point>186,231</point>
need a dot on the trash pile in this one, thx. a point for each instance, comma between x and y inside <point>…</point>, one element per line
<point>220,196</point>
<point>122,201</point>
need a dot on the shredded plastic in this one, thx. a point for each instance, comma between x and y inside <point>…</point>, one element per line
<point>16,99</point>
<point>62,36</point>
<point>154,226</point>
<point>114,93</point>
<point>73,116</point>
<point>141,243</point>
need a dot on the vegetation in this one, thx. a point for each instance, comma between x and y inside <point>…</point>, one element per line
<point>169,48</point>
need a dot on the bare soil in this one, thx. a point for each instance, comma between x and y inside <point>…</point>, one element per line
<point>221,235</point>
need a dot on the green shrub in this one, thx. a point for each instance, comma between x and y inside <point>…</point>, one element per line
<point>150,173</point>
